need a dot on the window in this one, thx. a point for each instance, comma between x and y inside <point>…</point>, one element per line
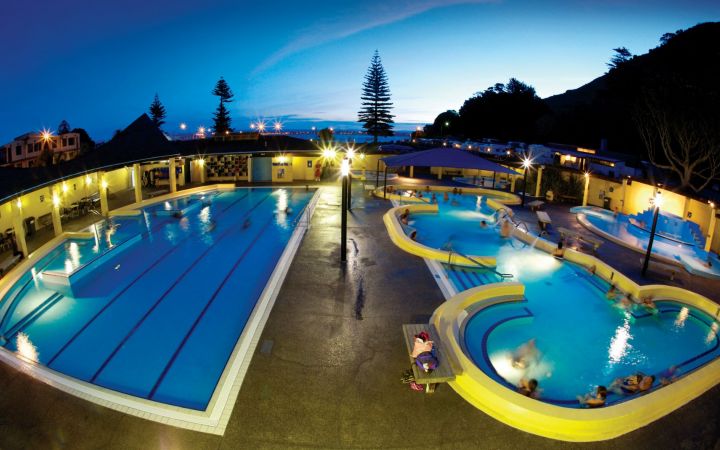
<point>18,150</point>
<point>71,141</point>
<point>54,144</point>
<point>64,142</point>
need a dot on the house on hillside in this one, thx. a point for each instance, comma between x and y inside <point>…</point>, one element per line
<point>24,151</point>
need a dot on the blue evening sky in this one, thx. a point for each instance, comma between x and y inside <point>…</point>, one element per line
<point>99,63</point>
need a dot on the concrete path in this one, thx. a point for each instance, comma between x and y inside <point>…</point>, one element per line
<point>327,370</point>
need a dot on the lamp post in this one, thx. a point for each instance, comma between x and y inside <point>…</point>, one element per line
<point>349,155</point>
<point>344,172</point>
<point>657,201</point>
<point>526,165</point>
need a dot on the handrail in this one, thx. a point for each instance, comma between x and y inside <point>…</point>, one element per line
<point>450,251</point>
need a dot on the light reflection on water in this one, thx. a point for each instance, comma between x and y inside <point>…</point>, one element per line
<point>619,344</point>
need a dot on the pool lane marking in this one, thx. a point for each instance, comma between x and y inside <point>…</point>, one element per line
<point>215,294</point>
<point>162,257</point>
<point>169,290</point>
<point>33,315</point>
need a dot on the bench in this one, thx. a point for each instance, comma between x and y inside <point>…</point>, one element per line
<point>535,205</point>
<point>543,221</point>
<point>580,238</point>
<point>444,371</point>
<point>9,263</point>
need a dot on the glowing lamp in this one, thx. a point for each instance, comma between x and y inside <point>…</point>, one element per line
<point>201,162</point>
<point>183,126</point>
<point>526,162</point>
<point>362,156</point>
<point>350,153</point>
<point>277,126</point>
<point>88,180</point>
<point>18,203</point>
<point>64,188</point>
<point>658,200</point>
<point>104,184</point>
<point>56,200</point>
<point>586,174</point>
<point>345,167</point>
<point>282,159</point>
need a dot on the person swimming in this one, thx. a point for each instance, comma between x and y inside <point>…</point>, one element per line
<point>612,293</point>
<point>525,355</point>
<point>528,388</point>
<point>434,198</point>
<point>413,235</point>
<point>594,401</point>
<point>632,384</point>
<point>648,303</point>
<point>405,216</point>
<point>446,197</point>
<point>483,224</point>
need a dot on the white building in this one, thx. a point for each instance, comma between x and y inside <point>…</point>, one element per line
<point>24,151</point>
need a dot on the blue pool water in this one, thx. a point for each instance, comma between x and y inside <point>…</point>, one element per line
<point>164,299</point>
<point>688,250</point>
<point>584,339</point>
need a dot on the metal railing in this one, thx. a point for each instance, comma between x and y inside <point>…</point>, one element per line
<point>450,250</point>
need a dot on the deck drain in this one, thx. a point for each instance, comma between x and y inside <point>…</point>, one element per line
<point>266,347</point>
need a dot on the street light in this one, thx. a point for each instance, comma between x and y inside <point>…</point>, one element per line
<point>447,124</point>
<point>657,202</point>
<point>526,165</point>
<point>344,172</point>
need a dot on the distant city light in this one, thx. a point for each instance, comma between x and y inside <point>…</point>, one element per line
<point>201,130</point>
<point>183,126</point>
<point>252,126</point>
<point>278,125</point>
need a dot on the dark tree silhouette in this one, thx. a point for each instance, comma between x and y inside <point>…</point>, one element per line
<point>376,105</point>
<point>621,56</point>
<point>221,117</point>
<point>64,127</point>
<point>445,124</point>
<point>326,135</point>
<point>157,112</point>
<point>86,142</point>
<point>506,112</point>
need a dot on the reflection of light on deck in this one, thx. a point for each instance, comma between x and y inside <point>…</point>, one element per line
<point>712,333</point>
<point>682,317</point>
<point>25,348</point>
<point>619,343</point>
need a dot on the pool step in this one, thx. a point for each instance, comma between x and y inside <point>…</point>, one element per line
<point>33,315</point>
<point>464,278</point>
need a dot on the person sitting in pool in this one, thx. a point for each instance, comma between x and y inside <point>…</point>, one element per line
<point>405,216</point>
<point>624,303</point>
<point>648,303</point>
<point>434,198</point>
<point>708,263</point>
<point>455,191</point>
<point>592,269</point>
<point>668,375</point>
<point>528,388</point>
<point>446,197</point>
<point>525,355</point>
<point>595,401</point>
<point>559,252</point>
<point>419,194</point>
<point>459,191</point>
<point>483,224</point>
<point>427,188</point>
<point>612,293</point>
<point>632,384</point>
<point>413,235</point>
<point>505,228</point>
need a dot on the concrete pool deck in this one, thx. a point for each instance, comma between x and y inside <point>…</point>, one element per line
<point>328,366</point>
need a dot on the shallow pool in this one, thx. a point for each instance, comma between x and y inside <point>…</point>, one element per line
<point>153,305</point>
<point>584,339</point>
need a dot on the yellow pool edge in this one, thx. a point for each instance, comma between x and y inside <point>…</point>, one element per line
<point>556,422</point>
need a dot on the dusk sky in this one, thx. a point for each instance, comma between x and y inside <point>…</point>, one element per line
<point>99,63</point>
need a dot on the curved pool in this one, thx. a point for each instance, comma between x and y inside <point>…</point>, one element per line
<point>584,339</point>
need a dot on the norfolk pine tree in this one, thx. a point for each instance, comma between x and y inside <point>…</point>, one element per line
<point>376,105</point>
<point>157,112</point>
<point>221,117</point>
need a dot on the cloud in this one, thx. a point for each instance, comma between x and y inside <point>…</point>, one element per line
<point>373,14</point>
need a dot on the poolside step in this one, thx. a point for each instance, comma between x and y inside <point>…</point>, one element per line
<point>464,278</point>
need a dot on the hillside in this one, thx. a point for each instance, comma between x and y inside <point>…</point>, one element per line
<point>605,107</point>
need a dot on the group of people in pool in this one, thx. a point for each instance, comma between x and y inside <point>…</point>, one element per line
<point>627,302</point>
<point>528,354</point>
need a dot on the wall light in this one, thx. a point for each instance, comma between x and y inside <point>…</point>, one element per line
<point>56,200</point>
<point>345,167</point>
